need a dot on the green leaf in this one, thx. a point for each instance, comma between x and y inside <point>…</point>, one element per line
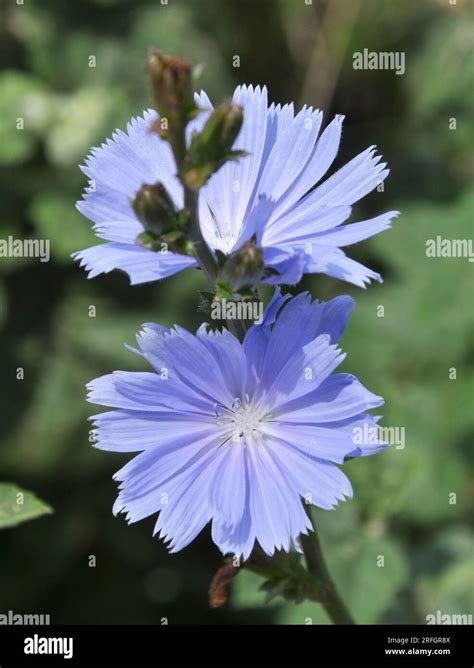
<point>17,505</point>
<point>246,591</point>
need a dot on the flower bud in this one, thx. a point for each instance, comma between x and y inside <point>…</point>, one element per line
<point>243,269</point>
<point>222,128</point>
<point>149,241</point>
<point>171,80</point>
<point>212,147</point>
<point>154,208</point>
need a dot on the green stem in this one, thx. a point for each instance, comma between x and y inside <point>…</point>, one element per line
<point>201,250</point>
<point>238,328</point>
<point>327,592</point>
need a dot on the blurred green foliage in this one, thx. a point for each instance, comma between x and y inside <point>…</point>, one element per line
<point>402,507</point>
<point>17,505</point>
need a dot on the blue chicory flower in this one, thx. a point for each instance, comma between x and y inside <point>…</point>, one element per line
<point>235,434</point>
<point>268,195</point>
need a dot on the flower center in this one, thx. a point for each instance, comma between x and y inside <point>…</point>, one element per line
<point>243,420</point>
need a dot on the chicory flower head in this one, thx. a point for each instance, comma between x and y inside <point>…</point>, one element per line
<point>237,434</point>
<point>273,196</point>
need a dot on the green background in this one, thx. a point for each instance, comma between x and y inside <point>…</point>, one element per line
<point>401,507</point>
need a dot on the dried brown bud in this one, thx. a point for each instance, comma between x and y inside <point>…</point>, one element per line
<point>171,80</point>
<point>218,590</point>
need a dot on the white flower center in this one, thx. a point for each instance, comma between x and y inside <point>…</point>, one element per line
<point>243,420</point>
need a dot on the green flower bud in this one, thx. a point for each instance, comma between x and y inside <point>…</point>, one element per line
<point>243,269</point>
<point>222,128</point>
<point>212,147</point>
<point>149,241</point>
<point>154,208</point>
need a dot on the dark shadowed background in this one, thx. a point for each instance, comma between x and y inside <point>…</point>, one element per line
<point>411,505</point>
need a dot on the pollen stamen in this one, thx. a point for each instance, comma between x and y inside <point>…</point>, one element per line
<point>244,420</point>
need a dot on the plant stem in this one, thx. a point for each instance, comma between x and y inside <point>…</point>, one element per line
<point>201,249</point>
<point>327,592</point>
<point>238,328</point>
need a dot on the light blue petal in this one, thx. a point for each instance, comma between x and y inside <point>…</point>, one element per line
<point>238,540</point>
<point>226,197</point>
<point>288,262</point>
<point>103,391</point>
<point>256,340</point>
<point>152,390</point>
<point>318,164</point>
<point>118,231</point>
<point>227,492</point>
<point>151,339</point>
<point>344,235</point>
<point>273,306</point>
<point>298,520</point>
<point>229,356</point>
<point>352,181</point>
<point>140,264</point>
<point>292,149</point>
<point>255,346</point>
<point>339,397</point>
<point>303,222</point>
<point>358,428</point>
<point>268,510</point>
<point>338,265</point>
<point>305,370</point>
<point>196,124</point>
<point>108,205</point>
<point>117,170</point>
<point>189,510</point>
<point>268,353</point>
<point>251,139</point>
<point>151,482</point>
<point>333,445</point>
<point>187,359</point>
<point>319,482</point>
<point>288,337</point>
<point>133,431</point>
<point>333,316</point>
<point>129,159</point>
